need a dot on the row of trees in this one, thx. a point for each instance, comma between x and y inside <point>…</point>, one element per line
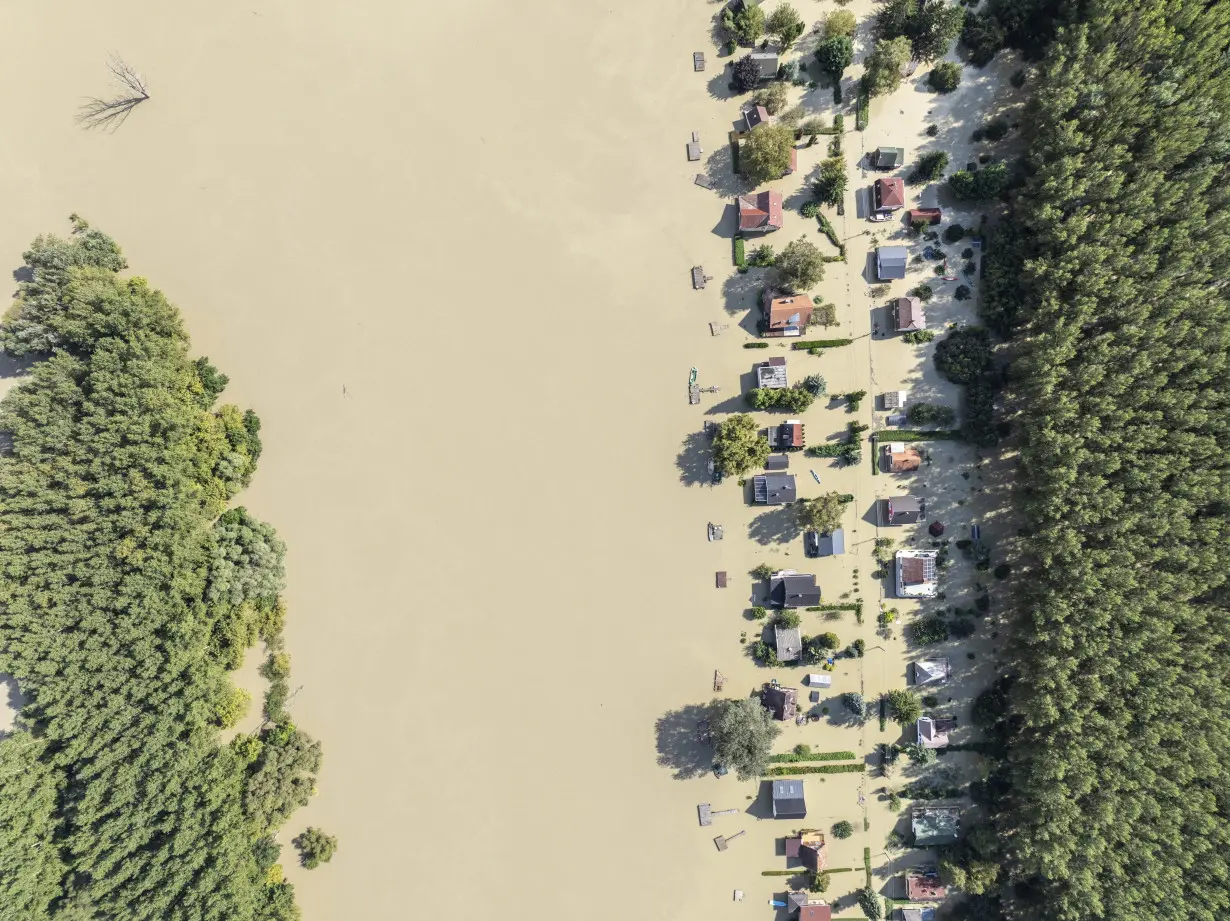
<point>1110,273</point>
<point>124,600</point>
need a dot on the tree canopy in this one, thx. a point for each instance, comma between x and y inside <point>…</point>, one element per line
<point>745,74</point>
<point>764,153</point>
<point>835,54</point>
<point>745,26</point>
<point>786,25</point>
<point>903,706</point>
<point>800,266</point>
<point>738,445</point>
<point>883,67</point>
<point>743,732</point>
<point>822,513</point>
<point>929,25</point>
<point>982,185</point>
<point>126,804</point>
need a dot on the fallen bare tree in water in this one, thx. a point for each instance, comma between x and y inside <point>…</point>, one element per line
<point>109,114</point>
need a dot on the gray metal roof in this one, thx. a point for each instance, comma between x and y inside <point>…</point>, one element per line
<point>788,801</point>
<point>774,488</point>
<point>891,261</point>
<point>767,62</point>
<point>833,544</point>
<point>789,643</point>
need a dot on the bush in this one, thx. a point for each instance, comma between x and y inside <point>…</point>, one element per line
<point>894,802</point>
<point>931,414</point>
<point>763,571</point>
<point>755,345</point>
<point>869,902</point>
<point>903,707</point>
<point>954,233</point>
<point>759,613</point>
<point>762,256</point>
<point>315,847</point>
<point>812,126</point>
<point>814,384</point>
<point>962,293</point>
<point>740,253</point>
<point>789,71</point>
<point>763,654</point>
<point>854,702</point>
<point>1017,79</point>
<point>859,647</point>
<point>831,232</point>
<point>810,209</point>
<point>967,253</point>
<point>806,753</point>
<point>825,315</point>
<point>945,77</point>
<point>923,292</point>
<point>932,131</point>
<point>827,641</point>
<point>983,603</point>
<point>862,116</point>
<point>918,337</point>
<point>818,881</point>
<point>831,186</point>
<point>842,830</point>
<point>964,355</point>
<point>773,97</point>
<point>929,168</point>
<point>787,618</point>
<point>854,399</point>
<point>794,770</point>
<point>927,631</point>
<point>919,754</point>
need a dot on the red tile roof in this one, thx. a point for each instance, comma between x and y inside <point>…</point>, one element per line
<point>925,888</point>
<point>796,433</point>
<point>779,311</point>
<point>890,193</point>
<point>760,212</point>
<point>816,913</point>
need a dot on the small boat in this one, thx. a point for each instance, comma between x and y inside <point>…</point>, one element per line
<point>692,377</point>
<point>715,531</point>
<point>815,476</point>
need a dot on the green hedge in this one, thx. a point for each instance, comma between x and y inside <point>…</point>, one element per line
<point>790,757</point>
<point>740,256</point>
<point>864,108</point>
<point>831,232</point>
<point>794,770</point>
<point>755,345</point>
<point>867,864</point>
<point>819,344</point>
<point>916,435</point>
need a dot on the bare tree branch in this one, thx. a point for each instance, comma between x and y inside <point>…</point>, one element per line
<point>109,114</point>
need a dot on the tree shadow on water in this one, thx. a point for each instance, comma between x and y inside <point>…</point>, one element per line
<point>693,460</point>
<point>778,526</point>
<point>679,749</point>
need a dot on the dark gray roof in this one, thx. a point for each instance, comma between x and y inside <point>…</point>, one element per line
<point>774,488</point>
<point>833,544</point>
<point>777,462</point>
<point>788,801</point>
<point>797,590</point>
<point>767,62</point>
<point>889,156</point>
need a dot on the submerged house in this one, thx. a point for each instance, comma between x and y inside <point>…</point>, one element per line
<point>932,671</point>
<point>831,544</point>
<point>901,458</point>
<point>788,643</point>
<point>761,212</point>
<point>888,157</point>
<point>934,825</point>
<point>766,64</point>
<point>933,733</point>
<point>771,375</point>
<point>925,887</point>
<point>889,194</point>
<point>916,574</point>
<point>908,315</point>
<point>788,436</point>
<point>783,703</point>
<point>788,801</point>
<point>755,115</point>
<point>790,589</point>
<point>773,489</point>
<point>891,262</point>
<point>901,510</point>
<point>785,314</point>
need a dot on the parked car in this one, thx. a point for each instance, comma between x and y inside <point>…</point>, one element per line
<point>811,543</point>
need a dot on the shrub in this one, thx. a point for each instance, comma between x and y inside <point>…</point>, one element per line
<point>810,209</point>
<point>960,629</point>
<point>967,253</point>
<point>1017,79</point>
<point>763,654</point>
<point>762,256</point>
<point>759,613</point>
<point>315,847</point>
<point>964,355</point>
<point>859,647</point>
<point>931,414</point>
<point>945,77</point>
<point>763,571</point>
<point>787,617</point>
<point>812,127</point>
<point>827,641</point>
<point>862,116</point>
<point>927,631</point>
<point>842,830</point>
<point>930,700</point>
<point>923,293</point>
<point>918,337</point>
<point>755,345</point>
<point>962,293</point>
<point>825,315</point>
<point>854,703</point>
<point>818,881</point>
<point>740,253</point>
<point>793,770</point>
<point>854,399</point>
<point>831,232</point>
<point>969,268</point>
<point>996,129</point>
<point>832,183</point>
<point>840,22</point>
<point>869,902</point>
<point>983,603</point>
<point>932,131</point>
<point>919,754</point>
<point>954,233</point>
<point>773,97</point>
<point>903,706</point>
<point>789,71</point>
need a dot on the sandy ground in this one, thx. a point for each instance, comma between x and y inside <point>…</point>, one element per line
<point>444,253</point>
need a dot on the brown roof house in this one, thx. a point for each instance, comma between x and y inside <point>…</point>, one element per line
<point>889,194</point>
<point>816,911</point>
<point>783,702</point>
<point>901,458</point>
<point>933,733</point>
<point>916,574</point>
<point>808,847</point>
<point>771,375</point>
<point>760,212</point>
<point>785,314</point>
<point>788,436</point>
<point>908,315</point>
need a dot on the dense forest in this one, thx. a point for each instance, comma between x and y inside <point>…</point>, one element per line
<point>1108,278</point>
<point>127,591</point>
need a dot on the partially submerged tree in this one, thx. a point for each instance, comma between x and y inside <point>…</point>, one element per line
<point>822,513</point>
<point>929,167</point>
<point>903,707</point>
<point>835,54</point>
<point>831,185</point>
<point>745,74</point>
<point>743,732</point>
<point>112,112</point>
<point>764,153</point>
<point>773,97</point>
<point>982,185</point>
<point>745,26</point>
<point>315,847</point>
<point>786,25</point>
<point>738,445</point>
<point>840,22</point>
<point>945,76</point>
<point>800,265</point>
<point>885,64</point>
<point>929,25</point>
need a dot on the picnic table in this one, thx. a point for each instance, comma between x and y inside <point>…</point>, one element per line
<point>720,578</point>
